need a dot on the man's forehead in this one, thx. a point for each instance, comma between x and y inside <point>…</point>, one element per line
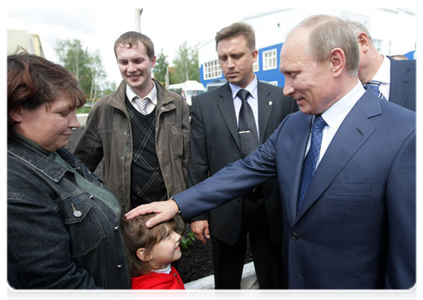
<point>128,45</point>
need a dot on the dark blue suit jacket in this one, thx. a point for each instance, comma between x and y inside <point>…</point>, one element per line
<point>215,143</point>
<point>356,228</point>
<point>403,83</point>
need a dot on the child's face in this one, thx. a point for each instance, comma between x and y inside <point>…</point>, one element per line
<point>166,251</point>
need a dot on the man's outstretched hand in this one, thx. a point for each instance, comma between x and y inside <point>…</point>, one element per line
<point>164,210</point>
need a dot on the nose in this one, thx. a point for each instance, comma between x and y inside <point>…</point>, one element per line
<point>230,63</point>
<point>288,90</point>
<point>132,67</point>
<point>73,121</point>
<point>176,236</point>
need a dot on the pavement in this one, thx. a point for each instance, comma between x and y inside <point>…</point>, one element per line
<point>248,281</point>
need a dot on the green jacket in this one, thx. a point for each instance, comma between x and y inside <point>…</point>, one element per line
<point>108,136</point>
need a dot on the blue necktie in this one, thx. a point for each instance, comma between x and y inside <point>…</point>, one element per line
<point>310,161</point>
<point>374,85</point>
<point>247,126</point>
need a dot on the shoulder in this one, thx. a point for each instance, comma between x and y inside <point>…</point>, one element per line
<point>406,65</point>
<point>270,87</point>
<point>217,93</point>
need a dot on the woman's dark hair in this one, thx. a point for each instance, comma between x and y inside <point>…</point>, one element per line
<point>33,81</point>
<point>137,235</point>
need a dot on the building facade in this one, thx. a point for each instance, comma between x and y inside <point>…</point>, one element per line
<point>387,28</point>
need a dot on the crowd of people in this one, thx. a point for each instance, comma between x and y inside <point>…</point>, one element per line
<point>318,176</point>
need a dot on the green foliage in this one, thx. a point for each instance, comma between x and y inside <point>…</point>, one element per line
<point>185,65</point>
<point>187,240</point>
<point>160,69</point>
<point>83,110</point>
<point>85,65</point>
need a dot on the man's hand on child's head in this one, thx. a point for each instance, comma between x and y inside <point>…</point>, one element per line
<point>164,210</point>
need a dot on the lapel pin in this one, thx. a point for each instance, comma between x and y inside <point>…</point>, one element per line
<point>270,103</point>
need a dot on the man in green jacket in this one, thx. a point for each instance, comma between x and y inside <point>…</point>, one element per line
<point>141,131</point>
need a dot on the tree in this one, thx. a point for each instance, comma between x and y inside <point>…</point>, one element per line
<point>160,69</point>
<point>84,65</point>
<point>185,65</point>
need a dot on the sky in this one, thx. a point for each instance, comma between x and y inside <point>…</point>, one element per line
<point>168,26</point>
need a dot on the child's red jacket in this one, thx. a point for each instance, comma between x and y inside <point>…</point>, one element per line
<point>158,281</point>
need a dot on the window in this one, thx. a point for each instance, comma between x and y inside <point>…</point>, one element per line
<point>212,70</point>
<point>256,66</point>
<point>378,44</point>
<point>270,60</point>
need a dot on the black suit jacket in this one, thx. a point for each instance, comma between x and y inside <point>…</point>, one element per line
<point>215,143</point>
<point>403,83</point>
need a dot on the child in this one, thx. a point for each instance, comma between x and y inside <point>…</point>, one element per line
<point>151,251</point>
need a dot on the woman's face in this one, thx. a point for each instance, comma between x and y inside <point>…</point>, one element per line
<point>49,126</point>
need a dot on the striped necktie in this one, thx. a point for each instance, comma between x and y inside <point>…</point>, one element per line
<point>143,104</point>
<point>374,85</point>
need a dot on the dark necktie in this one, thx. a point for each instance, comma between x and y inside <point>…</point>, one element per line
<point>310,161</point>
<point>247,126</point>
<point>374,85</point>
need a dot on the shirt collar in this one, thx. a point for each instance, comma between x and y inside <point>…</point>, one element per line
<point>132,95</point>
<point>166,270</point>
<point>336,114</point>
<point>384,73</point>
<point>252,88</point>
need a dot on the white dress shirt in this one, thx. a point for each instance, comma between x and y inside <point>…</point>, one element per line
<point>132,96</point>
<point>252,100</point>
<point>384,76</point>
<point>335,115</point>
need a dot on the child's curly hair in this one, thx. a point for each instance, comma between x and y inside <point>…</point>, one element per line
<point>137,235</point>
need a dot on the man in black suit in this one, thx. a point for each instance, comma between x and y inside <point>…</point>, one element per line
<point>397,78</point>
<point>216,140</point>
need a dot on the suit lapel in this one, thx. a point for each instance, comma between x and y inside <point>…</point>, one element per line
<point>265,106</point>
<point>227,109</point>
<point>299,143</point>
<point>351,135</point>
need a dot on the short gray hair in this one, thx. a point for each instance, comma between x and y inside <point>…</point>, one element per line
<point>327,33</point>
<point>358,28</point>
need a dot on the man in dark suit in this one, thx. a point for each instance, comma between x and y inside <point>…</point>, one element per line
<point>346,167</point>
<point>397,77</point>
<point>216,141</point>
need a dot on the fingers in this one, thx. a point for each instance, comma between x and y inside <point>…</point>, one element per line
<point>201,238</point>
<point>140,210</point>
<point>164,210</point>
<point>207,232</point>
<point>201,230</point>
<point>157,219</point>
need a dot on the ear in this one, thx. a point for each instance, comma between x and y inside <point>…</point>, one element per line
<point>337,61</point>
<point>153,62</point>
<point>143,255</point>
<point>16,114</point>
<point>363,42</point>
<point>255,55</point>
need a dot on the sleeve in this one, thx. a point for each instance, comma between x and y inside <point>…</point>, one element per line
<point>401,205</point>
<point>232,181</point>
<point>186,131</point>
<point>89,148</point>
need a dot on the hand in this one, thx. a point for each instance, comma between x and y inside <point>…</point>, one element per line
<point>201,230</point>
<point>165,210</point>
